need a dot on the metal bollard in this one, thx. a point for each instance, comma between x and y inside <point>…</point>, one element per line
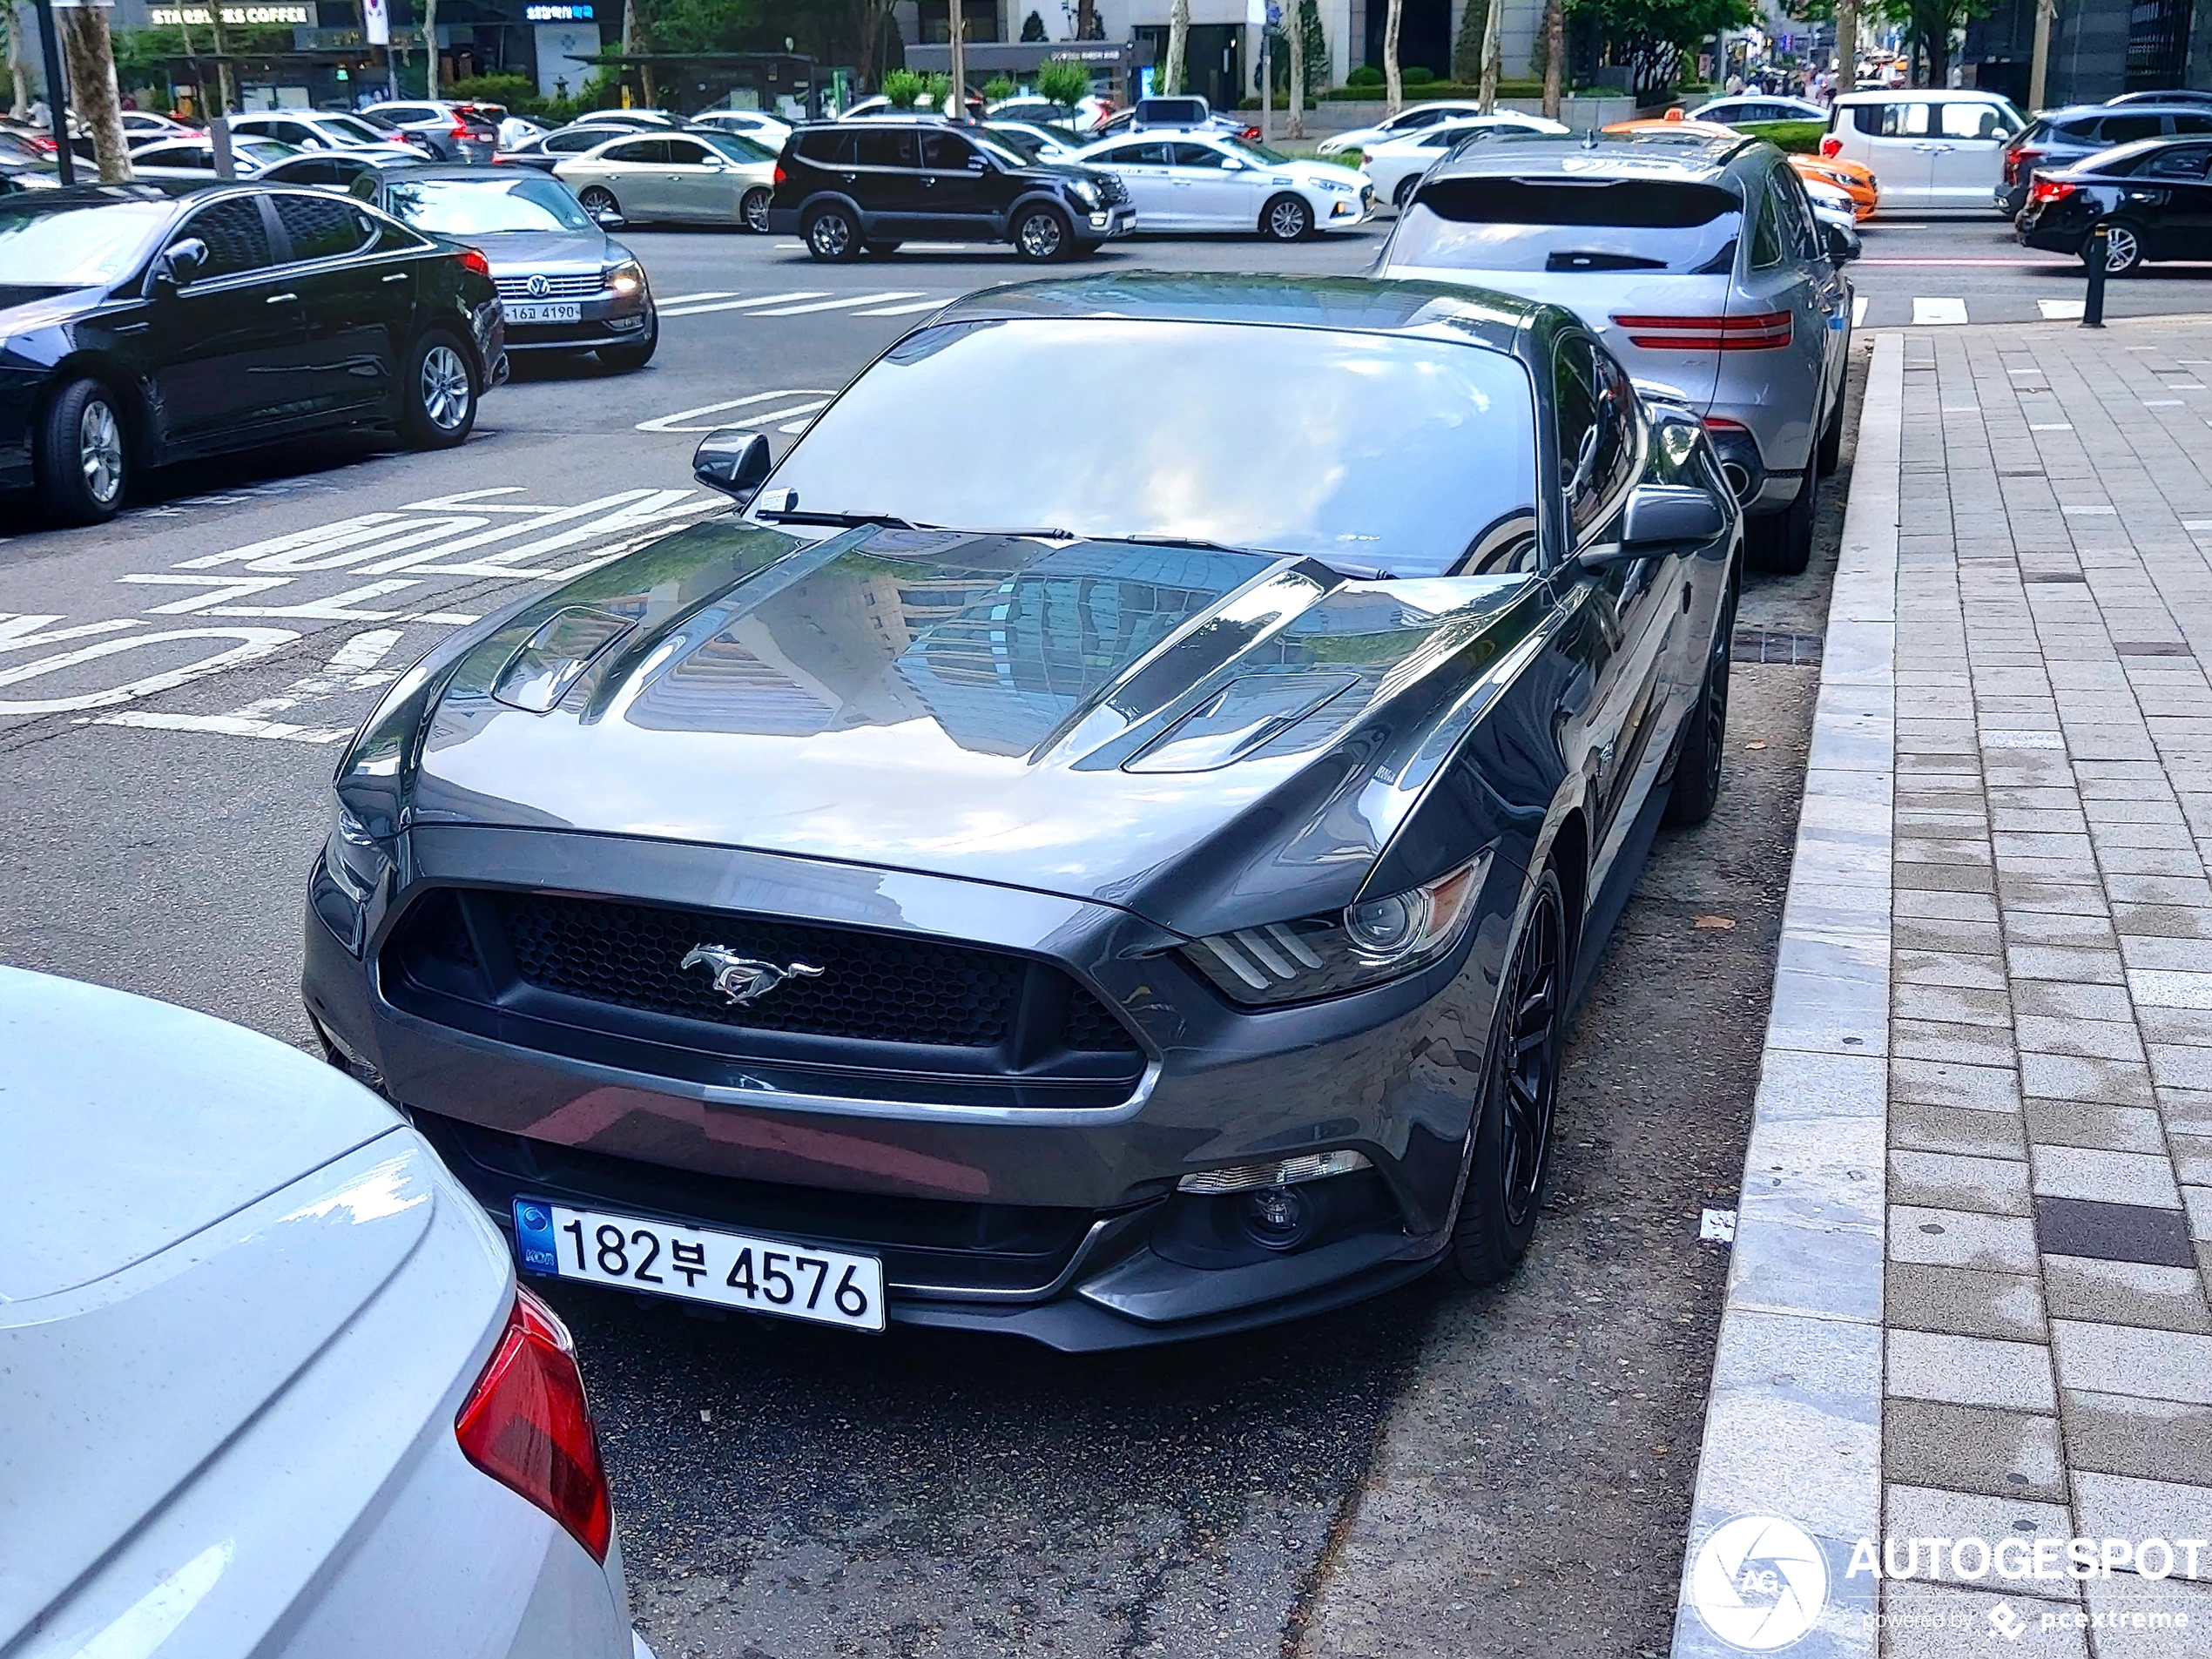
<point>2093,308</point>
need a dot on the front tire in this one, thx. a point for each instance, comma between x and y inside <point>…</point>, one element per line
<point>2123,248</point>
<point>1041,234</point>
<point>830,235</point>
<point>627,360</point>
<point>753,210</point>
<point>82,454</point>
<point>1402,197</point>
<point>438,395</point>
<point>1781,542</point>
<point>1287,219</point>
<point>595,200</point>
<point>1511,1154</point>
<point>1697,768</point>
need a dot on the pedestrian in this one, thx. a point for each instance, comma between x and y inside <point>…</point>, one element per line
<point>1735,83</point>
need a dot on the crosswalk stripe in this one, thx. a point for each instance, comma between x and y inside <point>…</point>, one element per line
<point>2059,310</point>
<point>901,311</point>
<point>1859,311</point>
<point>1928,313</point>
<point>758,300</point>
<point>839,305</point>
<point>668,299</point>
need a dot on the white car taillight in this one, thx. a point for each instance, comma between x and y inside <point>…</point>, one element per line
<point>527,1425</point>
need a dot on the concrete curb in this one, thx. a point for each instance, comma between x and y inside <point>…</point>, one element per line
<point>1793,1420</point>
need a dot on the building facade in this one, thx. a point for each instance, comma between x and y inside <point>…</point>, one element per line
<point>2099,49</point>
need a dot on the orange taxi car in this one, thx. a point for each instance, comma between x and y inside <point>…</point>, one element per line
<point>1855,181</point>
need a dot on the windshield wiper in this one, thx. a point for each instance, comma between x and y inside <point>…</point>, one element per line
<point>1196,544</point>
<point>844,521</point>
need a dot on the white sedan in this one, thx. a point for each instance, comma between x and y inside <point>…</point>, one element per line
<point>1210,181</point>
<point>1396,164</point>
<point>761,128</point>
<point>271,1387</point>
<point>1414,117</point>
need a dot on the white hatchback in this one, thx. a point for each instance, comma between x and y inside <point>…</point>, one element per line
<point>1396,164</point>
<point>1934,151</point>
<point>270,1388</point>
<point>1210,181</point>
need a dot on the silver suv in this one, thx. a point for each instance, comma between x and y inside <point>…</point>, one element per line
<point>1699,262</point>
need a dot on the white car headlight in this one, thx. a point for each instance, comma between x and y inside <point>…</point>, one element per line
<point>626,277</point>
<point>1336,185</point>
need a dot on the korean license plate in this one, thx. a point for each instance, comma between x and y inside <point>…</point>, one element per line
<point>701,1265</point>
<point>545,311</point>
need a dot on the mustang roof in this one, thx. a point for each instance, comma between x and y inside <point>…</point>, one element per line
<point>1435,310</point>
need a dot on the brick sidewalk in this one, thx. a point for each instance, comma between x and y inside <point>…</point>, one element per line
<point>1991,1322</point>
<point>2048,1345</point>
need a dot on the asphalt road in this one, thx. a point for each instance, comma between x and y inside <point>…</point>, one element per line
<point>789,1492</point>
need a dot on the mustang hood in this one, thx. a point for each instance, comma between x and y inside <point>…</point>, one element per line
<point>1075,717</point>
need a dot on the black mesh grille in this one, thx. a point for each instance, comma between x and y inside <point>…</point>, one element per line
<point>873,988</point>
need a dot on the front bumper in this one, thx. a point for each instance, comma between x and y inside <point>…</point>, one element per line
<point>1346,213</point>
<point>1107,223</point>
<point>1054,1217</point>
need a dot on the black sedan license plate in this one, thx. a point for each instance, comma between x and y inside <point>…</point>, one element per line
<point>701,1265</point>
<point>545,311</point>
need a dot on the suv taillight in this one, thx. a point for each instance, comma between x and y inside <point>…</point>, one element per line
<point>526,1424</point>
<point>2018,161</point>
<point>1763,331</point>
<point>779,176</point>
<point>1831,147</point>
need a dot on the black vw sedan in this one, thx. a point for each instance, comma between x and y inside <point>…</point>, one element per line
<point>1103,892</point>
<point>138,329</point>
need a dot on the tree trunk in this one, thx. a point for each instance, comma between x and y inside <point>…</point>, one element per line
<point>1086,19</point>
<point>224,91</point>
<point>1554,54</point>
<point>1393,80</point>
<point>1171,77</point>
<point>18,63</point>
<point>1487,96</point>
<point>430,48</point>
<point>1939,40</point>
<point>89,51</point>
<point>1295,35</point>
<point>1846,45</point>
<point>2040,65</point>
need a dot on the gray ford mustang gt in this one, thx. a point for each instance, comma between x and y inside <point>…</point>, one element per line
<point>1105,886</point>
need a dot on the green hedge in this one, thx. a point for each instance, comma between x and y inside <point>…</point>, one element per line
<point>1798,137</point>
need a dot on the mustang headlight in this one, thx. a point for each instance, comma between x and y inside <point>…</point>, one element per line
<point>1364,944</point>
<point>352,857</point>
<point>626,277</point>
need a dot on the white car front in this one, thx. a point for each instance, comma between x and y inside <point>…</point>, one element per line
<point>1413,118</point>
<point>1396,164</point>
<point>270,1388</point>
<point>1210,182</point>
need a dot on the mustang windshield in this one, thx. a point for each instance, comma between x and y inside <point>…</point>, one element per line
<point>1372,451</point>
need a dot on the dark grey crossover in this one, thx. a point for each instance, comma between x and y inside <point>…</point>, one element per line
<point>1102,887</point>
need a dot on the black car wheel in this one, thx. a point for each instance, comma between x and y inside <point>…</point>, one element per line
<point>1697,768</point>
<point>753,210</point>
<point>83,455</point>
<point>830,234</point>
<point>629,358</point>
<point>1402,197</point>
<point>2123,248</point>
<point>1513,1135</point>
<point>1287,219</point>
<point>596,199</point>
<point>1041,234</point>
<point>438,397</point>
<point>1781,542</point>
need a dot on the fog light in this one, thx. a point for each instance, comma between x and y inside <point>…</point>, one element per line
<point>1241,1178</point>
<point>1277,1218</point>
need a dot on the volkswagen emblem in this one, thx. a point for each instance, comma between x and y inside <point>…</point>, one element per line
<point>744,979</point>
<point>539,287</point>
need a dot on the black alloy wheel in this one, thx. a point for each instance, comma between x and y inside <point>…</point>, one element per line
<point>753,210</point>
<point>1041,234</point>
<point>82,453</point>
<point>1704,745</point>
<point>1402,197</point>
<point>831,234</point>
<point>2123,248</point>
<point>1287,219</point>
<point>1511,1154</point>
<point>596,199</point>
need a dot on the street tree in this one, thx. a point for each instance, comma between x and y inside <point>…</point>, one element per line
<point>1294,37</point>
<point>1394,78</point>
<point>1467,45</point>
<point>12,19</point>
<point>1554,46</point>
<point>1492,50</point>
<point>430,47</point>
<point>89,50</point>
<point>1171,77</point>
<point>1648,38</point>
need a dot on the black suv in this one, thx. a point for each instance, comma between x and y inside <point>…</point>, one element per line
<point>857,186</point>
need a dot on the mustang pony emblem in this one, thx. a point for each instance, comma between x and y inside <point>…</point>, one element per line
<point>744,979</point>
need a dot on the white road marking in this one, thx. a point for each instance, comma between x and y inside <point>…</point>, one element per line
<point>1857,310</point>
<point>668,299</point>
<point>338,608</point>
<point>918,305</point>
<point>253,643</point>
<point>222,588</point>
<point>839,305</point>
<point>2161,402</point>
<point>353,667</point>
<point>677,423</point>
<point>745,304</point>
<point>2088,512</point>
<point>2059,311</point>
<point>1932,312</point>
<point>22,632</point>
<point>2053,426</point>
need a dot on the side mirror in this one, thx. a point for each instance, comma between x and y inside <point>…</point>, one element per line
<point>1843,246</point>
<point>180,263</point>
<point>1230,164</point>
<point>608,220</point>
<point>1660,518</point>
<point>976,164</point>
<point>733,460</point>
